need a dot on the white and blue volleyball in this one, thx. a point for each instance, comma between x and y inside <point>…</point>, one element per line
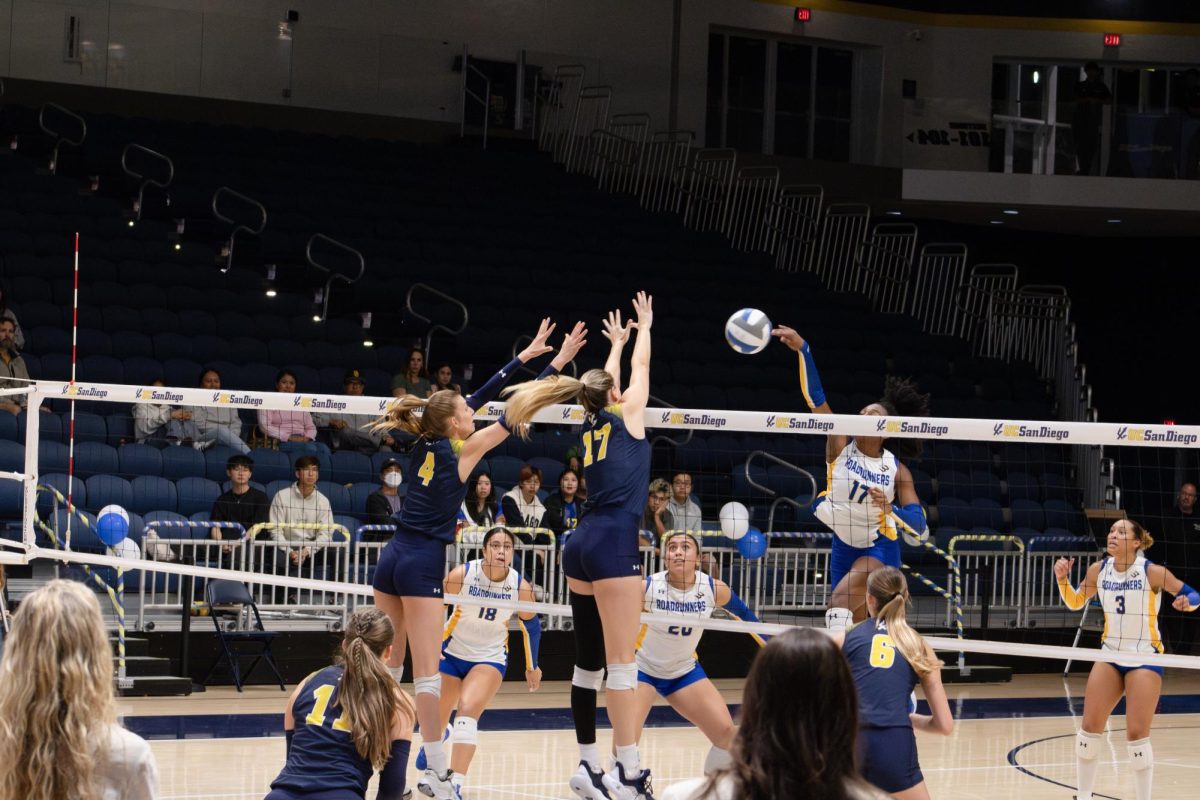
<point>112,525</point>
<point>748,331</point>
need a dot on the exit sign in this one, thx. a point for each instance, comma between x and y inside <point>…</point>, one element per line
<point>1112,40</point>
<point>803,14</point>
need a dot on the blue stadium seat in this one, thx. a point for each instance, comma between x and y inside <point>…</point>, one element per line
<point>338,497</point>
<point>358,496</point>
<point>143,371</point>
<point>274,487</point>
<point>1028,514</point>
<point>103,490</point>
<point>505,470</point>
<point>95,458</point>
<point>945,533</point>
<point>58,481</point>
<point>12,504</point>
<point>215,459</point>
<point>551,471</point>
<point>12,457</point>
<point>8,429</point>
<point>182,462</point>
<point>52,457</point>
<point>350,523</point>
<point>1054,486</point>
<point>175,533</point>
<point>196,494</point>
<point>88,427</point>
<point>953,483</point>
<point>50,426</point>
<point>953,512</point>
<point>101,369</point>
<point>270,465</point>
<point>742,490</point>
<point>181,372</point>
<point>153,493</point>
<point>351,467</point>
<point>1023,486</point>
<point>986,485</point>
<point>1061,514</point>
<point>139,459</point>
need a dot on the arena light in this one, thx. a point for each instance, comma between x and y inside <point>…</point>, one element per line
<point>368,343</point>
<point>997,222</point>
<point>271,293</point>
<point>1012,212</point>
<point>893,213</point>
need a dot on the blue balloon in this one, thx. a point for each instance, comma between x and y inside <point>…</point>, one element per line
<point>112,528</point>
<point>752,545</point>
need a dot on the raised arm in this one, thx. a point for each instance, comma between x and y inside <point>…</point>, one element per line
<point>1186,598</point>
<point>810,385</point>
<point>1075,599</point>
<point>617,334</point>
<point>491,388</point>
<point>637,394</point>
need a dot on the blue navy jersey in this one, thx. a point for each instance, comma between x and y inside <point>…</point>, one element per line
<point>435,492</point>
<point>323,758</point>
<point>883,675</point>
<point>615,465</point>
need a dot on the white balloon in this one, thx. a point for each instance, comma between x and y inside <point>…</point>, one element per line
<point>114,509</point>
<point>735,520</point>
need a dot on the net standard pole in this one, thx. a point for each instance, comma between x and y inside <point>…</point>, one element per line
<point>71,394</point>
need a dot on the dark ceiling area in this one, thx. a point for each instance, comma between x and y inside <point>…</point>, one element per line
<point>1137,10</point>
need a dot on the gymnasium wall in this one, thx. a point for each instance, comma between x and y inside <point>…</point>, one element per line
<point>394,58</point>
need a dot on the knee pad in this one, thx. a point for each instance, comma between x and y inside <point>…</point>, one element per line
<point>466,730</point>
<point>397,674</point>
<point>431,685</point>
<point>716,759</point>
<point>588,678</point>
<point>589,632</point>
<point>839,619</point>
<point>622,676</point>
<point>1087,745</point>
<point>1141,755</point>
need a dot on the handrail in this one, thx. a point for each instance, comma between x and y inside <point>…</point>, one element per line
<point>484,101</point>
<point>436,326</point>
<point>237,225</point>
<point>58,137</point>
<point>668,439</point>
<point>771,492</point>
<point>517,346</point>
<point>146,181</point>
<point>870,244</point>
<point>333,274</point>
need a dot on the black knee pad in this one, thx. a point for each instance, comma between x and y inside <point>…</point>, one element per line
<point>589,633</point>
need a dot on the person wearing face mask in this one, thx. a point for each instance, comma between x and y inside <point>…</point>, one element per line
<point>385,502</point>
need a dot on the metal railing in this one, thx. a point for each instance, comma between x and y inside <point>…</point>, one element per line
<point>334,274</point>
<point>591,114</point>
<point>886,261</point>
<point>435,326</point>
<point>750,201</point>
<point>666,154</point>
<point>60,138</point>
<point>974,302</point>
<point>227,248</point>
<point>704,183</point>
<point>145,180</point>
<point>779,499</point>
<point>843,229</point>
<point>558,108</point>
<point>468,94</point>
<point>993,580</point>
<point>940,272</point>
<point>618,150</point>
<point>796,220</point>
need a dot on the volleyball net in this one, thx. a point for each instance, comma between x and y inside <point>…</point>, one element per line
<point>1004,500</point>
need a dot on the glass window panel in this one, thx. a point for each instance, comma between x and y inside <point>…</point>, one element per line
<point>791,135</point>
<point>744,130</point>
<point>716,84</point>
<point>835,74</point>
<point>747,72</point>
<point>793,78</point>
<point>831,139</point>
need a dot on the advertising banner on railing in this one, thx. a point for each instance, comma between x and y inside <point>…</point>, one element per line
<point>999,430</point>
<point>946,133</point>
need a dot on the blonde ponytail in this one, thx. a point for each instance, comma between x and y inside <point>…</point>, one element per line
<point>368,695</point>
<point>890,590</point>
<point>525,400</point>
<point>433,421</point>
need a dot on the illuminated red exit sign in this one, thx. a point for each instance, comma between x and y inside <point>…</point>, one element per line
<point>803,14</point>
<point>1112,40</point>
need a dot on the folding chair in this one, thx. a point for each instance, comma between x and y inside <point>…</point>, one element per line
<point>227,593</point>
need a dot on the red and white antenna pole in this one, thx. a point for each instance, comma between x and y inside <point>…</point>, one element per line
<point>71,430</point>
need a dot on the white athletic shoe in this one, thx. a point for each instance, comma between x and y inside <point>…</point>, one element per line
<point>435,786</point>
<point>587,784</point>
<point>621,787</point>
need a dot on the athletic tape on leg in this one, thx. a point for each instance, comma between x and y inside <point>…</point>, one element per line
<point>622,677</point>
<point>431,685</point>
<point>588,678</point>
<point>466,731</point>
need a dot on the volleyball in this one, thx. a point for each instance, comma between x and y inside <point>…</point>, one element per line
<point>735,520</point>
<point>112,525</point>
<point>748,331</point>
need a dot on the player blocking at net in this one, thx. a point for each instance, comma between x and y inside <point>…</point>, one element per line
<point>1130,591</point>
<point>408,579</point>
<point>869,497</point>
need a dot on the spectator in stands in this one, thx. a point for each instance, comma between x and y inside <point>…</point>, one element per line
<point>683,509</point>
<point>162,424</point>
<point>1091,95</point>
<point>301,503</point>
<point>13,372</point>
<point>217,424</point>
<point>1177,547</point>
<point>295,430</point>
<point>414,380</point>
<point>349,431</point>
<point>443,379</point>
<point>563,507</point>
<point>522,508</point>
<point>479,509</point>
<point>573,461</point>
<point>10,315</point>
<point>791,743</point>
<point>385,501</point>
<point>240,503</point>
<point>657,519</point>
<point>60,737</point>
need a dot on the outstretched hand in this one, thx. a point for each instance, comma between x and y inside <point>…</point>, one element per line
<point>573,342</point>
<point>1062,568</point>
<point>788,336</point>
<point>616,332</point>
<point>643,306</point>
<point>539,345</point>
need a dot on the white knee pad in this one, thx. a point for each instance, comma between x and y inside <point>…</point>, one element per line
<point>716,759</point>
<point>1087,745</point>
<point>431,685</point>
<point>838,619</point>
<point>466,730</point>
<point>1141,755</point>
<point>588,678</point>
<point>622,676</point>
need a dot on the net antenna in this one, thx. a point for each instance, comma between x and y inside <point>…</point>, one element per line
<point>71,394</point>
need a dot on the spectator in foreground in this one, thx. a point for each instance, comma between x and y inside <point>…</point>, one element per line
<point>301,503</point>
<point>414,380</point>
<point>60,737</point>
<point>480,509</point>
<point>683,509</point>
<point>564,506</point>
<point>240,503</point>
<point>657,520</point>
<point>384,502</point>
<point>217,424</point>
<point>790,743</point>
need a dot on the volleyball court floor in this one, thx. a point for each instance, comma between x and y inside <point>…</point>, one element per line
<point>1011,740</point>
